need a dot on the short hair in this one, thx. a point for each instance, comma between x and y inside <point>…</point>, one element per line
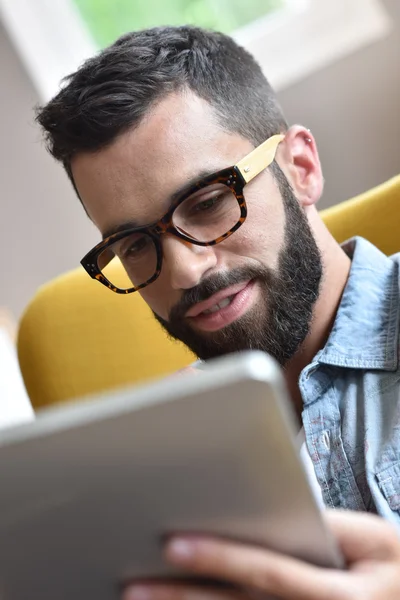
<point>111,92</point>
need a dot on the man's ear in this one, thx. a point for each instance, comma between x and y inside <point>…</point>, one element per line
<point>298,158</point>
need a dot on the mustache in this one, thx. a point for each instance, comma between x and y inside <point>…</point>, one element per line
<point>213,284</point>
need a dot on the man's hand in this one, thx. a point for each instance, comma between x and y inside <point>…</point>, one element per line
<point>370,546</point>
<point>185,370</point>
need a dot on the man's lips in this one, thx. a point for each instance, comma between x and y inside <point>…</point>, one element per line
<point>232,290</point>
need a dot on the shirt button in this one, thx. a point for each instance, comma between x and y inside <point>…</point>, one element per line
<point>326,440</point>
<point>311,372</point>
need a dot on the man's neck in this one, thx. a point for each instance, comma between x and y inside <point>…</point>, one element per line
<point>336,267</point>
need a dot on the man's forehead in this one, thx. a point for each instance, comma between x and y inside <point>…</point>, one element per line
<point>178,139</point>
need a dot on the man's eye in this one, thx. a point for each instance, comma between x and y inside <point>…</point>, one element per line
<point>205,205</point>
<point>136,247</point>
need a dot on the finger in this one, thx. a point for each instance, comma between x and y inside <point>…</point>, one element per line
<point>185,371</point>
<point>160,591</point>
<point>257,569</point>
<point>363,536</point>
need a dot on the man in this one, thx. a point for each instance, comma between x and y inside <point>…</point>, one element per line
<point>178,149</point>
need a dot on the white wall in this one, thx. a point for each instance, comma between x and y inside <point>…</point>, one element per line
<point>43,229</point>
<point>352,107</point>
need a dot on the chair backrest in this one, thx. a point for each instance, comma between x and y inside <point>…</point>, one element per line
<point>374,215</point>
<point>77,338</point>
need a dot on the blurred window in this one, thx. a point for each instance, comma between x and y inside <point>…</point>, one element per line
<point>108,19</point>
<point>291,39</point>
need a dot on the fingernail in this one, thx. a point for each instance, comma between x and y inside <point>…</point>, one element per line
<point>137,592</point>
<point>180,550</point>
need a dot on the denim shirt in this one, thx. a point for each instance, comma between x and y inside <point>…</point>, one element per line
<point>351,391</point>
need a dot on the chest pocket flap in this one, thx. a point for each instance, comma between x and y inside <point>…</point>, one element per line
<point>389,483</point>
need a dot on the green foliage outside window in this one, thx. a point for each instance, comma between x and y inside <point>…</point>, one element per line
<point>108,19</point>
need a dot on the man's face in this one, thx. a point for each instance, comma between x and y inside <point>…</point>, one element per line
<point>256,289</point>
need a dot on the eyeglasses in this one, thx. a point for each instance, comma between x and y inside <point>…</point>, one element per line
<point>206,214</point>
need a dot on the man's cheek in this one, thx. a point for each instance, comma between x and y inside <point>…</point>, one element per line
<point>155,302</point>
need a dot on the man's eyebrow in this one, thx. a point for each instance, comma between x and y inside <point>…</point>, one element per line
<point>171,200</point>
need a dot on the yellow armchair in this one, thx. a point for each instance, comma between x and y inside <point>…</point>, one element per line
<point>77,338</point>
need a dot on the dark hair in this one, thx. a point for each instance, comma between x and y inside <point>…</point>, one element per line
<point>112,91</point>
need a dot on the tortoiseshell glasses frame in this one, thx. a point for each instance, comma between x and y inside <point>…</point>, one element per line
<point>235,178</point>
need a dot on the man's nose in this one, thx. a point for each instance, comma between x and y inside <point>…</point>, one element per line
<point>184,263</point>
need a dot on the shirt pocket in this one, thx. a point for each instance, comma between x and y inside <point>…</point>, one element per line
<point>389,483</point>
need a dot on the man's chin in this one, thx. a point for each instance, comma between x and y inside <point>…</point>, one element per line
<point>211,344</point>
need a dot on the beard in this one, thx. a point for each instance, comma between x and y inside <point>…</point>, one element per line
<point>281,321</point>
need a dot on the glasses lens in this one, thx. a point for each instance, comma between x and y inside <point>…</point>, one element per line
<point>130,261</point>
<point>208,214</point>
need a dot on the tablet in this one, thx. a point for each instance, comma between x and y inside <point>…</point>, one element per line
<point>89,490</point>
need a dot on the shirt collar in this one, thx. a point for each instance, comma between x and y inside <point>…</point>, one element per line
<point>366,329</point>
